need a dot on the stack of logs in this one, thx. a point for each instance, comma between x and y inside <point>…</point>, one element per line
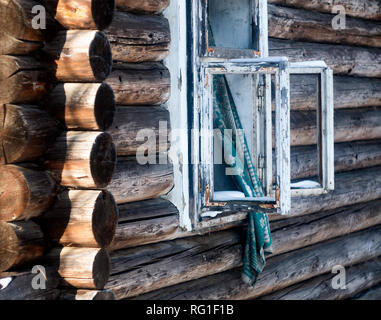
<point>59,157</point>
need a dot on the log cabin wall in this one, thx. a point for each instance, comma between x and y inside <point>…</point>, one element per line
<point>151,256</point>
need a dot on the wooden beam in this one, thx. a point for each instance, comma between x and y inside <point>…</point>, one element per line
<point>82,106</point>
<point>20,286</point>
<point>371,294</point>
<point>280,272</point>
<point>365,9</point>
<point>80,55</point>
<point>81,218</point>
<point>349,92</point>
<point>81,14</point>
<point>134,182</point>
<point>350,125</point>
<point>82,268</point>
<point>143,6</point>
<point>139,38</point>
<point>21,242</point>
<point>25,192</point>
<point>25,133</point>
<point>23,79</point>
<point>140,84</point>
<point>344,60</point>
<point>82,159</point>
<point>348,156</point>
<point>359,277</point>
<point>141,127</point>
<point>303,25</point>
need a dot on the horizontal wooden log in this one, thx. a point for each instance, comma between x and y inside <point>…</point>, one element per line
<point>86,295</point>
<point>344,60</point>
<point>82,268</point>
<point>144,6</point>
<point>80,55</point>
<point>350,125</point>
<point>371,294</point>
<point>146,129</point>
<point>147,84</point>
<point>280,272</point>
<point>81,14</point>
<point>82,106</point>
<point>365,9</point>
<point>303,25</point>
<point>349,92</point>
<point>81,218</point>
<point>20,285</point>
<point>82,159</point>
<point>25,192</point>
<point>358,278</point>
<point>21,243</point>
<point>134,182</point>
<point>25,133</point>
<point>138,38</point>
<point>11,45</point>
<point>351,188</point>
<point>348,156</point>
<point>23,79</point>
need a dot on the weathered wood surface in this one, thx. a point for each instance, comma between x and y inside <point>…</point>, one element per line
<point>16,23</point>
<point>134,182</point>
<point>81,14</point>
<point>80,55</point>
<point>143,6</point>
<point>351,188</point>
<point>82,106</point>
<point>371,294</point>
<point>344,60</point>
<point>86,295</point>
<point>25,133</point>
<point>365,9</point>
<point>348,156</point>
<point>281,271</point>
<point>25,192</point>
<point>350,125</point>
<point>20,287</point>
<point>82,268</point>
<point>297,24</point>
<point>21,243</point>
<point>142,129</point>
<point>82,159</point>
<point>140,84</point>
<point>349,92</point>
<point>138,38</point>
<point>81,218</point>
<point>359,277</point>
<point>23,79</point>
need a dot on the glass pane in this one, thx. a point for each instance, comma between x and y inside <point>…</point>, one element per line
<point>230,23</point>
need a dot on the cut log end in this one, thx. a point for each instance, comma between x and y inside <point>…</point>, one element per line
<point>105,219</point>
<point>101,269</point>
<point>103,12</point>
<point>104,106</point>
<point>100,56</point>
<point>8,247</point>
<point>102,160</point>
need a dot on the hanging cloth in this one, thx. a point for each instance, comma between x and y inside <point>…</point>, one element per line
<point>225,116</point>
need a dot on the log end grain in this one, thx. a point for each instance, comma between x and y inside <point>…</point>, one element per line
<point>102,12</point>
<point>104,106</point>
<point>100,56</point>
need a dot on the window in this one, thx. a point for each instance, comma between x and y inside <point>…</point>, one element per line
<point>323,181</point>
<point>232,28</point>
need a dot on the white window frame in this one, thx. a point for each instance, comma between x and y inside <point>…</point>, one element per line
<point>325,128</point>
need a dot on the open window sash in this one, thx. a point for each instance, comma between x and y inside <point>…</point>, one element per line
<point>277,191</point>
<point>324,125</point>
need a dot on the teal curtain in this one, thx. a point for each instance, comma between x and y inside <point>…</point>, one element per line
<point>225,116</point>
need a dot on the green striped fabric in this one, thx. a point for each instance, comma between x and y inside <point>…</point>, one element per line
<point>225,116</point>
